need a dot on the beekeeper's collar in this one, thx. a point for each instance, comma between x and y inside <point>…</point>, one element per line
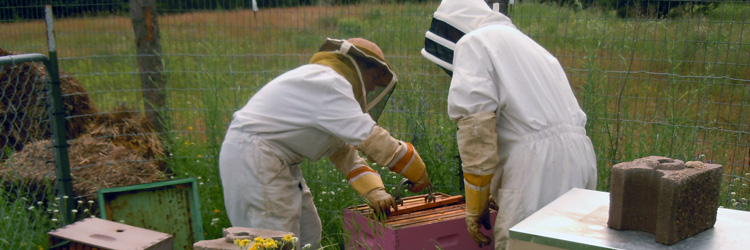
<point>361,59</point>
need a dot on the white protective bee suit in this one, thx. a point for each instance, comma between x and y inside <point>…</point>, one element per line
<point>521,133</point>
<point>319,109</point>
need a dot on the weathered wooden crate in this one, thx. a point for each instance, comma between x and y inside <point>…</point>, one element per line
<point>95,233</point>
<point>416,225</point>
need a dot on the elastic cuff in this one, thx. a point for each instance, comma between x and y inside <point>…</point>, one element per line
<point>364,180</point>
<point>477,200</point>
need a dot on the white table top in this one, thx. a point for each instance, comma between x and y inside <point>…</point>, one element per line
<point>578,220</point>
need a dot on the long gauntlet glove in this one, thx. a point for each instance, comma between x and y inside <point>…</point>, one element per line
<point>399,156</point>
<point>363,179</point>
<point>477,145</point>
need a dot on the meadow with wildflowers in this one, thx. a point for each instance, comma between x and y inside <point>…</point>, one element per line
<point>674,88</point>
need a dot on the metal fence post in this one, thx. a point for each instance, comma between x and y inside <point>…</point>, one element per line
<point>64,181</point>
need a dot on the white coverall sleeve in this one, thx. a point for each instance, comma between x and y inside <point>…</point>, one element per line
<point>473,103</point>
<point>473,91</point>
<point>340,114</point>
<point>472,88</point>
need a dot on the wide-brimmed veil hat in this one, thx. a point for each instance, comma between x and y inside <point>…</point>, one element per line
<point>364,54</point>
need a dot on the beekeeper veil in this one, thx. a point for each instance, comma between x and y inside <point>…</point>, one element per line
<point>375,79</point>
<point>451,21</point>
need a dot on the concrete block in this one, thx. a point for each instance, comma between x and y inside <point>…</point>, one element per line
<point>669,198</point>
<point>232,233</point>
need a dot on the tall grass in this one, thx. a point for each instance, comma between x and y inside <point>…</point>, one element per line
<point>677,88</point>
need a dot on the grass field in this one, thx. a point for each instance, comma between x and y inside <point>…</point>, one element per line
<point>677,88</point>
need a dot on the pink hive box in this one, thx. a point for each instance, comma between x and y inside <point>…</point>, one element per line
<point>416,225</point>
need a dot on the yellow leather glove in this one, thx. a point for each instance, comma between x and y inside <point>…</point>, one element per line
<point>381,201</point>
<point>477,207</point>
<point>421,183</point>
<point>399,156</point>
<point>363,179</point>
<point>477,145</point>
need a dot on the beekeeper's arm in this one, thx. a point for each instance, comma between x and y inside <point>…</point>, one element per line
<point>399,156</point>
<point>362,178</point>
<point>472,102</point>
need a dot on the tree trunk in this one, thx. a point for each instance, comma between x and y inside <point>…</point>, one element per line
<point>146,28</point>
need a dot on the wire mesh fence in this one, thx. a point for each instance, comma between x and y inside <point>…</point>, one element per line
<point>665,78</point>
<point>24,124</point>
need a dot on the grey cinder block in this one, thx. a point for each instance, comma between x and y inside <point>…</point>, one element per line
<point>669,198</point>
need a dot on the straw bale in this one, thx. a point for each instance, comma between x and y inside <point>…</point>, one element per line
<point>128,128</point>
<point>95,163</point>
<point>23,111</point>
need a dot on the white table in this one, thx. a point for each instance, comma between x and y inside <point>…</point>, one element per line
<point>578,220</point>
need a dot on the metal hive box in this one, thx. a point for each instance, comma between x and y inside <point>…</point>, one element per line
<point>416,225</point>
<point>172,207</point>
<point>95,233</point>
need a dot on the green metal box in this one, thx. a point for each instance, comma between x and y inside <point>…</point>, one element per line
<point>171,207</point>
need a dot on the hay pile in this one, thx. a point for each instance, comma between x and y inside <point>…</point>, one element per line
<point>113,149</point>
<point>23,108</point>
<point>94,164</point>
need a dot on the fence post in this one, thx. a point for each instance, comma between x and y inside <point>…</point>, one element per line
<point>146,28</point>
<point>64,181</point>
<point>503,4</point>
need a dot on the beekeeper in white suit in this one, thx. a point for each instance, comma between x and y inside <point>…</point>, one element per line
<point>521,132</point>
<point>325,108</point>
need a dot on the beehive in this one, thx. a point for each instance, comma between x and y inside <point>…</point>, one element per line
<point>416,225</point>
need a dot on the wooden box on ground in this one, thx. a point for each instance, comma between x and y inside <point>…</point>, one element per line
<point>95,233</point>
<point>416,225</point>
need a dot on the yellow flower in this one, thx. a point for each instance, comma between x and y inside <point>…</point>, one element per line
<point>258,239</point>
<point>187,143</point>
<point>190,128</point>
<point>256,246</point>
<point>217,211</point>
<point>287,238</point>
<point>270,243</point>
